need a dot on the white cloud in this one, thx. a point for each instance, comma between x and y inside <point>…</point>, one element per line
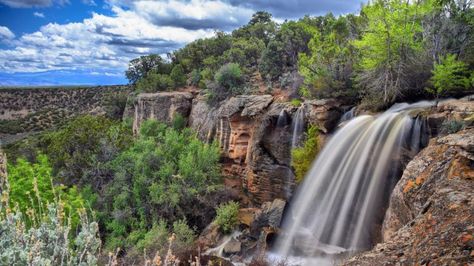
<point>193,14</point>
<point>32,3</point>
<point>102,43</point>
<point>38,14</point>
<point>6,33</point>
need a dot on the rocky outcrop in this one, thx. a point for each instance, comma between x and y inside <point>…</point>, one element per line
<point>255,146</point>
<point>324,113</point>
<point>430,219</point>
<point>255,233</point>
<point>461,110</point>
<point>162,106</point>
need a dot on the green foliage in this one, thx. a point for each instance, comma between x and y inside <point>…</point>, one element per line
<point>51,239</point>
<point>281,53</point>
<point>81,149</point>
<point>389,43</point>
<point>155,82</point>
<point>227,216</point>
<point>327,66</point>
<point>177,76</point>
<point>165,174</point>
<point>450,74</point>
<point>195,77</point>
<point>229,76</point>
<point>31,188</point>
<point>304,156</point>
<point>296,102</point>
<point>139,68</point>
<point>179,122</point>
<point>185,236</point>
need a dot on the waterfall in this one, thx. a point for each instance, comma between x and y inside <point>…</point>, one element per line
<point>341,202</point>
<point>298,126</point>
<point>348,115</point>
<point>282,118</point>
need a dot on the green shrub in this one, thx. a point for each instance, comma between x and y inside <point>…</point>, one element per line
<point>450,74</point>
<point>177,75</point>
<point>185,236</point>
<point>31,189</point>
<point>229,76</point>
<point>302,157</point>
<point>155,82</point>
<point>195,77</point>
<point>166,174</point>
<point>296,102</point>
<point>227,216</point>
<point>44,235</point>
<point>179,122</point>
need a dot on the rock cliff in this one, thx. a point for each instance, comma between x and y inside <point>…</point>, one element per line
<point>430,219</point>
<point>256,150</point>
<point>163,106</point>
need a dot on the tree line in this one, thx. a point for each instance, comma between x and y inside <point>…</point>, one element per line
<point>392,50</point>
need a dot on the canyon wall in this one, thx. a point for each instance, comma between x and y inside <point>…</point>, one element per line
<point>255,147</point>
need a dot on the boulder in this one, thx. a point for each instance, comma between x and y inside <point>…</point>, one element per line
<point>233,246</point>
<point>430,219</point>
<point>324,113</point>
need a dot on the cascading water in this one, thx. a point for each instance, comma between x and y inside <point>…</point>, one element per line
<point>298,126</point>
<point>282,118</point>
<point>348,115</point>
<point>341,202</point>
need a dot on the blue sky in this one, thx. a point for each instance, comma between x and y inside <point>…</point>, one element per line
<point>89,42</point>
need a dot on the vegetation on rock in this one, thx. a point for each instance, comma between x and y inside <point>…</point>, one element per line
<point>303,156</point>
<point>226,217</point>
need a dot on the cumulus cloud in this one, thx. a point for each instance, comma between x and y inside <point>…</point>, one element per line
<point>32,3</point>
<point>100,42</point>
<point>6,33</point>
<point>105,43</point>
<point>38,14</point>
<point>193,14</point>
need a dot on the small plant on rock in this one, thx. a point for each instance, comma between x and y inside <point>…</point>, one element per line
<point>227,216</point>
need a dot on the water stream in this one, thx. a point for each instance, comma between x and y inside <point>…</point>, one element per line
<point>339,207</point>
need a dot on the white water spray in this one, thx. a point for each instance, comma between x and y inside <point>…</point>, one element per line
<point>342,199</point>
<point>298,127</point>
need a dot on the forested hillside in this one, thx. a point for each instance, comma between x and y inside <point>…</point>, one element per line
<point>391,51</point>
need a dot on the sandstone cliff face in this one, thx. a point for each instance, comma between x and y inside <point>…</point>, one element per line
<point>256,150</point>
<point>162,106</point>
<point>430,219</point>
<point>450,110</point>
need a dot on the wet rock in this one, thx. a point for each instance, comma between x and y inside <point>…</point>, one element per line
<point>233,246</point>
<point>272,213</point>
<point>210,236</point>
<point>430,218</point>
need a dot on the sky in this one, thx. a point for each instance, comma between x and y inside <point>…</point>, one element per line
<point>90,42</point>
